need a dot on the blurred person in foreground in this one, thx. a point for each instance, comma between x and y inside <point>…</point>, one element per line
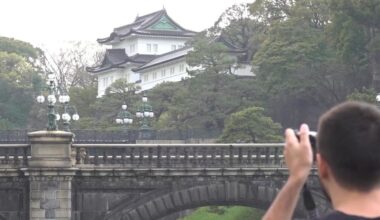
<point>348,162</point>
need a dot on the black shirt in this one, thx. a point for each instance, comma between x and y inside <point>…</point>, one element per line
<point>341,216</point>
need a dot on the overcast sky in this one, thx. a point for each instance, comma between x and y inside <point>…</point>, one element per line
<point>51,23</point>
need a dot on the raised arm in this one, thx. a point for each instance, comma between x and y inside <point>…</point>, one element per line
<point>299,159</point>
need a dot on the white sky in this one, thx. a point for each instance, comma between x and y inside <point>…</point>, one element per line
<point>50,24</point>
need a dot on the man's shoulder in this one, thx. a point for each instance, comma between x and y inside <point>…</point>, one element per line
<point>342,216</point>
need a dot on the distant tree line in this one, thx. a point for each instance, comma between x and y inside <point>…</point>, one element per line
<point>307,55</point>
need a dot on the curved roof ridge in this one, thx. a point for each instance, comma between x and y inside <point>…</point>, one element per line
<point>147,23</point>
<point>158,60</point>
<point>116,58</point>
<point>164,13</point>
<point>127,25</point>
<point>113,58</point>
<point>150,14</point>
<point>141,26</point>
<point>174,51</point>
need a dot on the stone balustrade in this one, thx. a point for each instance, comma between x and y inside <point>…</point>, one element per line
<point>14,155</point>
<point>47,166</point>
<point>158,156</point>
<point>180,155</point>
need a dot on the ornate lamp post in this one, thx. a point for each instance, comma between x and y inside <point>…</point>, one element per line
<point>145,114</point>
<point>69,112</point>
<point>124,117</point>
<point>53,116</point>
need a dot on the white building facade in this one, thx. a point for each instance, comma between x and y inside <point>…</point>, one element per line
<point>149,51</point>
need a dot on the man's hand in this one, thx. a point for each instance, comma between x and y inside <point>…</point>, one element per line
<point>298,158</point>
<point>298,154</point>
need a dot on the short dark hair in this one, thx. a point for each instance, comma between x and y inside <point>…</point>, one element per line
<point>349,140</point>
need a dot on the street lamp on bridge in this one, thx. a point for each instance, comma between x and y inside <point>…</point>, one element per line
<point>145,114</point>
<point>378,99</point>
<point>53,116</point>
<point>69,112</point>
<point>124,117</point>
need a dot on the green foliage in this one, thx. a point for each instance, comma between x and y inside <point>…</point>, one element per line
<point>229,213</point>
<point>15,104</point>
<point>314,55</point>
<point>19,81</point>
<point>365,95</point>
<point>100,113</point>
<point>163,97</point>
<point>355,29</point>
<point>83,99</point>
<point>307,56</point>
<point>5,124</point>
<point>24,49</point>
<point>289,50</point>
<point>209,56</point>
<point>251,126</point>
<point>16,70</point>
<point>238,28</point>
<point>203,101</point>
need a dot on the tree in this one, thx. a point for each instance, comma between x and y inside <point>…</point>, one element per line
<point>271,11</point>
<point>100,113</point>
<point>70,64</point>
<point>238,28</point>
<point>16,70</point>
<point>15,104</point>
<point>162,98</point>
<point>203,101</point>
<point>84,100</point>
<point>209,56</point>
<point>363,95</point>
<point>356,31</point>
<point>19,82</point>
<point>297,64</point>
<point>23,49</point>
<point>251,126</point>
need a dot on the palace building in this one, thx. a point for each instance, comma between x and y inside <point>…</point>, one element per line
<point>149,51</point>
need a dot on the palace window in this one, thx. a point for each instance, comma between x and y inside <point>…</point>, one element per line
<point>180,46</point>
<point>155,48</point>
<point>146,77</point>
<point>148,47</point>
<point>174,47</point>
<point>172,69</point>
<point>154,75</point>
<point>106,82</point>
<point>163,73</point>
<point>132,48</point>
<point>182,67</point>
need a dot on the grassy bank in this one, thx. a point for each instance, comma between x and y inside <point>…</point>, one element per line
<point>225,213</point>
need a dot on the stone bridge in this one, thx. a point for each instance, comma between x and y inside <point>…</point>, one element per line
<point>52,178</point>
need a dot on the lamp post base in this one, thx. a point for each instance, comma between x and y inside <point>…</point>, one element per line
<point>146,134</point>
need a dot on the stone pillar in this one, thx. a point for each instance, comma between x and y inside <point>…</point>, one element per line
<point>50,173</point>
<point>50,193</point>
<point>50,149</point>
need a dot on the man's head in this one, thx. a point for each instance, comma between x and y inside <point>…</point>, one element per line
<point>349,143</point>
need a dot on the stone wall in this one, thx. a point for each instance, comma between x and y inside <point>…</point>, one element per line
<point>50,197</point>
<point>14,200</point>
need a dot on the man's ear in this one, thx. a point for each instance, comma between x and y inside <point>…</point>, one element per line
<point>322,167</point>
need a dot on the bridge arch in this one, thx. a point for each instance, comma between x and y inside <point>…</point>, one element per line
<point>160,204</point>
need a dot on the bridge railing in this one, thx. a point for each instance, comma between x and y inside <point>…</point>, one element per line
<point>14,155</point>
<point>13,136</point>
<point>180,155</point>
